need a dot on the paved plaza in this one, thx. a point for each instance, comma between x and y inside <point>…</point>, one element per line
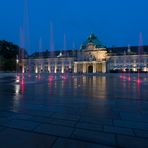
<point>74,112</point>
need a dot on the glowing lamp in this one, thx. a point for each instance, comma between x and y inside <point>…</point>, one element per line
<point>17,79</point>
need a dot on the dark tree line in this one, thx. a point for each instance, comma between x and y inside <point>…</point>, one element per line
<point>8,54</point>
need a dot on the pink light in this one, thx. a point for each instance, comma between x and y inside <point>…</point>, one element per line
<point>22,82</point>
<point>29,75</point>
<point>64,77</point>
<point>39,77</point>
<point>50,78</point>
<point>17,79</point>
<point>129,78</point>
<point>122,77</point>
<point>138,81</point>
<point>22,86</point>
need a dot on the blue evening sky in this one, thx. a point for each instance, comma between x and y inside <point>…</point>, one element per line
<point>66,24</point>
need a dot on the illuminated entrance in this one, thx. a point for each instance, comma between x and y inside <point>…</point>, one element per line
<point>90,69</point>
<point>99,67</point>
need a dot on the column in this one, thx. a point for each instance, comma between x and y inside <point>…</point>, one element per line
<point>49,68</point>
<point>75,67</point>
<point>23,68</point>
<point>62,68</point>
<point>55,68</point>
<point>41,68</point>
<point>104,67</point>
<point>94,67</point>
<point>36,68</point>
<point>84,67</point>
<point>145,65</point>
<point>70,64</point>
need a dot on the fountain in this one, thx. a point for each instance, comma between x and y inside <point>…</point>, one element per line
<point>51,53</point>
<point>40,61</point>
<point>65,43</point>
<point>140,52</point>
<point>129,71</point>
<point>51,40</point>
<point>122,75</point>
<point>24,43</point>
<point>26,34</point>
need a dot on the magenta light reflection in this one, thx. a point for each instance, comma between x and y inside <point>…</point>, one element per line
<point>17,79</point>
<point>50,78</point>
<point>22,87</point>
<point>64,77</point>
<point>39,77</point>
<point>29,75</point>
<point>122,77</point>
<point>138,80</point>
<point>22,80</point>
<point>129,78</point>
<point>140,52</point>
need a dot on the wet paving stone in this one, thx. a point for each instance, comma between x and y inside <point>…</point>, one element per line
<point>95,120</point>
<point>55,130</point>
<point>1,128</point>
<point>67,143</point>
<point>85,111</point>
<point>4,121</point>
<point>88,126</point>
<point>118,130</point>
<point>97,137</point>
<point>66,116</point>
<point>20,139</point>
<point>141,133</point>
<point>68,123</point>
<point>22,124</point>
<point>132,142</point>
<point>131,124</point>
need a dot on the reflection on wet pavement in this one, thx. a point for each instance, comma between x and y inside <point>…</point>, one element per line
<point>84,108</point>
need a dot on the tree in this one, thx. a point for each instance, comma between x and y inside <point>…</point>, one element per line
<point>8,54</point>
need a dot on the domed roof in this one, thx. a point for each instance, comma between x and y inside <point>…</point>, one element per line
<point>92,40</point>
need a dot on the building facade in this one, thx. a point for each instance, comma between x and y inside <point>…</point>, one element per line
<point>92,57</point>
<point>128,63</point>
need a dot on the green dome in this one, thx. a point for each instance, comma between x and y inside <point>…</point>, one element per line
<point>92,40</point>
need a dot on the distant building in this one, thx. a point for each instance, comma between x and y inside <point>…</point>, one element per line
<point>92,57</point>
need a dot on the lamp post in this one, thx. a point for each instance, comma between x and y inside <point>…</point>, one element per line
<point>17,62</point>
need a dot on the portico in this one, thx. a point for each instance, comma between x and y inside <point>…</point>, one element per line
<point>89,67</point>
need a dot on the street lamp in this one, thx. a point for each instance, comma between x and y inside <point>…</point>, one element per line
<point>17,62</point>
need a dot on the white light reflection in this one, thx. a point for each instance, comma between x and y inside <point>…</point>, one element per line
<point>16,98</point>
<point>17,79</point>
<point>17,89</point>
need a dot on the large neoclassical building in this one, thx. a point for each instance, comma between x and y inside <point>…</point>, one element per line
<point>92,57</point>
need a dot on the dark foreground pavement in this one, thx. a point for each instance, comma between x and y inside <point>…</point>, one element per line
<point>90,112</point>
